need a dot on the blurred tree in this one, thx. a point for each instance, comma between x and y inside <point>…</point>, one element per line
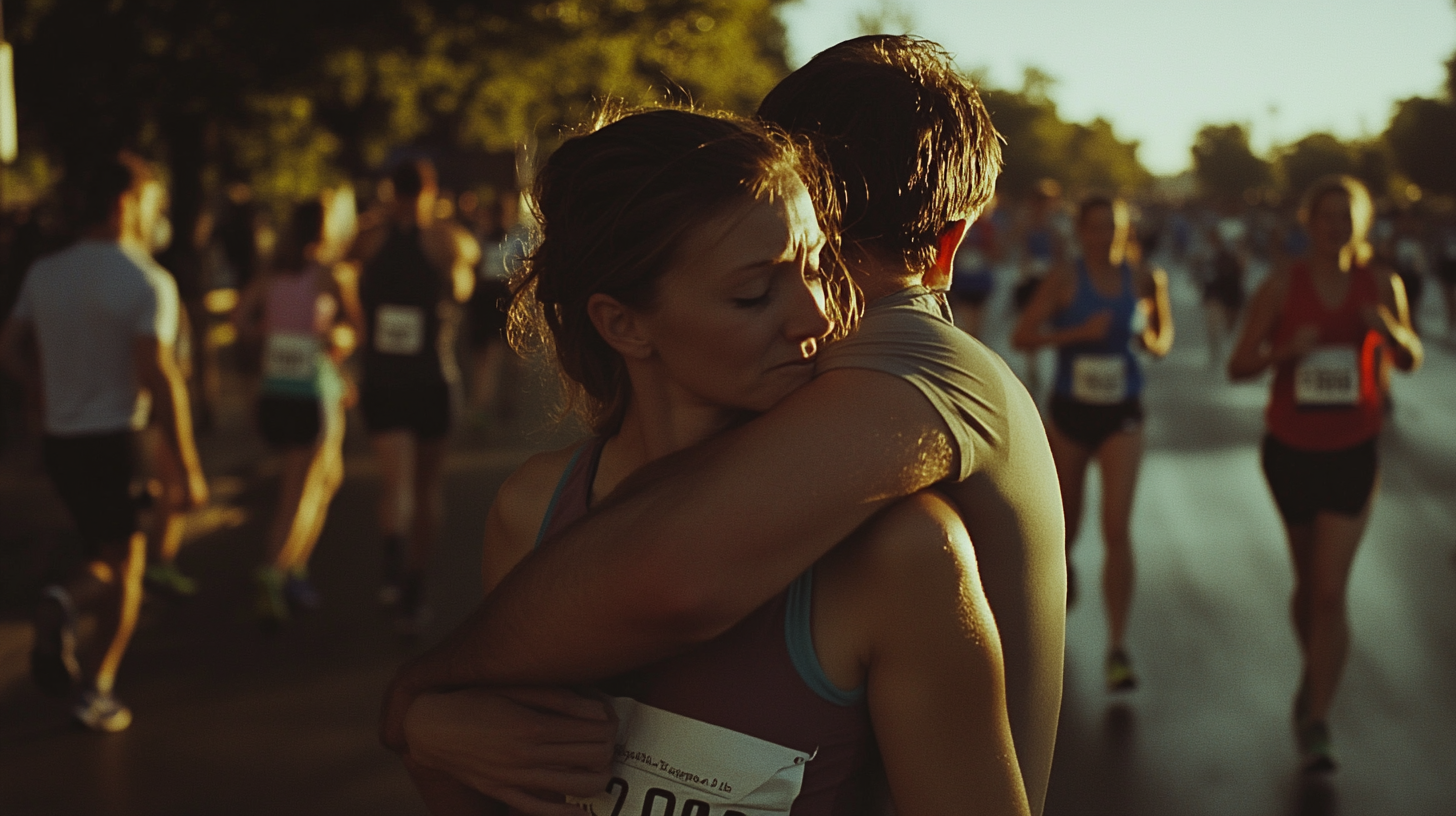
<point>1422,139</point>
<point>1315,155</point>
<point>1225,166</point>
<point>1040,144</point>
<point>291,95</point>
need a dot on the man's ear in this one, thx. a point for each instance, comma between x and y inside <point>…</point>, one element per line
<point>945,250</point>
<point>620,326</point>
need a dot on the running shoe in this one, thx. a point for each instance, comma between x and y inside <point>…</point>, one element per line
<point>301,594</point>
<point>1315,745</point>
<point>270,605</point>
<point>1120,676</point>
<point>166,579</point>
<point>101,712</point>
<point>53,663</point>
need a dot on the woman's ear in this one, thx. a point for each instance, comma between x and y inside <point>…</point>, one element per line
<point>621,326</point>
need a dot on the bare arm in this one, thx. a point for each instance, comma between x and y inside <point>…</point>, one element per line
<point>936,693</point>
<point>1054,293</point>
<point>1392,319</point>
<point>1254,350</point>
<point>1158,336</point>
<point>17,356</point>
<point>694,542</point>
<point>473,749</point>
<point>156,371</point>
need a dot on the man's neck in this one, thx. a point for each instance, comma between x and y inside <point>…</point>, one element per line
<point>878,278</point>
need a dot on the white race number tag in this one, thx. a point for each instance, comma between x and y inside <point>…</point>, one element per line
<point>665,763</point>
<point>399,329</point>
<point>1327,376</point>
<point>290,356</point>
<point>1099,379</point>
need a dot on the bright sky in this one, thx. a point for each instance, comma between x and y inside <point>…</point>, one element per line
<point>1161,69</point>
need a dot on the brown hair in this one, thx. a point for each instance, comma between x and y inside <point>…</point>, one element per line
<point>1362,209</point>
<point>908,140</point>
<point>612,207</point>
<point>305,226</point>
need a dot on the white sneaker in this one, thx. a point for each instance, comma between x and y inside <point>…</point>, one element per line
<point>102,712</point>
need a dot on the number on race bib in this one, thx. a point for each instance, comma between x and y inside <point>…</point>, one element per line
<point>290,356</point>
<point>1099,379</point>
<point>1329,376</point>
<point>666,763</point>
<point>399,329</point>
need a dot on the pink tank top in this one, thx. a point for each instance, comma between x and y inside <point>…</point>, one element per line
<point>292,304</point>
<point>760,678</point>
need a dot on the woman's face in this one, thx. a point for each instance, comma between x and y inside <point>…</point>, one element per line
<point>1331,224</point>
<point>1100,231</point>
<point>738,315</point>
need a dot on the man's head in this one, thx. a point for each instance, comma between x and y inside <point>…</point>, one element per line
<point>415,187</point>
<point>120,196</point>
<point>908,140</point>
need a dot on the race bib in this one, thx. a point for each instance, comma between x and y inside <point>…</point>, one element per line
<point>1099,379</point>
<point>399,329</point>
<point>669,765</point>
<point>1327,376</point>
<point>290,356</point>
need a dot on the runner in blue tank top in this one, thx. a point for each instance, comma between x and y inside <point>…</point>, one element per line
<point>1092,312</point>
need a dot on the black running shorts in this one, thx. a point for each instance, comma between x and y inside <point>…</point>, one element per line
<point>289,422</point>
<point>1306,483</point>
<point>92,474</point>
<point>423,410</point>
<point>1091,425</point>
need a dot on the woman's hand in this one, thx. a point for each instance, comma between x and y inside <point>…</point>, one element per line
<point>525,747</point>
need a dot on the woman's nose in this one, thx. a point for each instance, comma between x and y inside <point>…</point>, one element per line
<point>807,321</point>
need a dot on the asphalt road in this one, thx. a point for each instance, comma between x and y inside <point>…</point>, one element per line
<point>229,721</point>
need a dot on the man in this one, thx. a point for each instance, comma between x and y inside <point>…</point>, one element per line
<point>416,272</point>
<point>103,317</point>
<point>696,541</point>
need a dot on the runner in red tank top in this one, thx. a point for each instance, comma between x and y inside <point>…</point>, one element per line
<point>1325,324</point>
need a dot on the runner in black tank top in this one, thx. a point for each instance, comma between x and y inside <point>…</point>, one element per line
<point>416,272</point>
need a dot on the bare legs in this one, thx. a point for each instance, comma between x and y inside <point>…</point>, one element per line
<point>112,584</point>
<point>411,502</point>
<point>1118,459</point>
<point>309,479</point>
<point>1323,552</point>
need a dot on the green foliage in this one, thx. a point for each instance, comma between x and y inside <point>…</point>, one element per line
<point>1225,165</point>
<point>292,95</point>
<point>1422,140</point>
<point>1040,144</point>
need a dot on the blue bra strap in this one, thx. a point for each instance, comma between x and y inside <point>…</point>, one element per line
<point>560,486</point>
<point>799,637</point>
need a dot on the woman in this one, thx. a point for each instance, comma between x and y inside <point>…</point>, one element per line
<point>1325,323</point>
<point>1092,311</point>
<point>293,309</point>
<point>679,283</point>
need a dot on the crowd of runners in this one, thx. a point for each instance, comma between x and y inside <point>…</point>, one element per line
<point>747,314</point>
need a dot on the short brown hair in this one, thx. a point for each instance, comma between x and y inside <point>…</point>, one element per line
<point>612,207</point>
<point>908,140</point>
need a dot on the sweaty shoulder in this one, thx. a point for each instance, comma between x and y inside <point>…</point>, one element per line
<point>909,335</point>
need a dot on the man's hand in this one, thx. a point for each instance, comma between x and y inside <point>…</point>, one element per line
<point>525,747</point>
